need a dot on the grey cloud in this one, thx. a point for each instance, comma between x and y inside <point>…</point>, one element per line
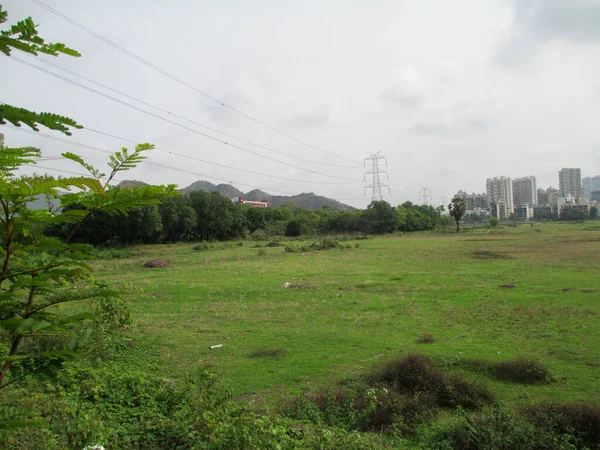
<point>462,127</point>
<point>395,96</point>
<point>313,119</point>
<point>538,21</point>
<point>576,20</point>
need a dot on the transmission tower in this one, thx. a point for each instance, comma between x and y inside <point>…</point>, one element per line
<point>425,195</point>
<point>375,173</point>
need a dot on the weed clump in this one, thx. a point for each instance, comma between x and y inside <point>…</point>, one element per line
<point>262,252</point>
<point>425,338</point>
<point>521,370</point>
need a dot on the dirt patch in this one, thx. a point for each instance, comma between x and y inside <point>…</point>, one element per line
<point>157,295</point>
<point>156,263</point>
<point>274,244</point>
<point>587,291</point>
<point>507,286</point>
<point>567,289</point>
<point>298,285</point>
<point>488,254</point>
<point>268,353</point>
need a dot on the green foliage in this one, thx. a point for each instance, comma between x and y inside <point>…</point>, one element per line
<point>39,273</point>
<point>494,222</point>
<point>572,214</point>
<point>593,213</point>
<point>217,218</point>
<point>457,210</point>
<point>24,36</point>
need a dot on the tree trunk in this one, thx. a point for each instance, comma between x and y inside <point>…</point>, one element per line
<point>457,227</point>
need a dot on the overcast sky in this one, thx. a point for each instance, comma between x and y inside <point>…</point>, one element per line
<point>450,92</point>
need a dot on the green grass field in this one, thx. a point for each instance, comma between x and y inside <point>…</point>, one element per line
<point>487,294</point>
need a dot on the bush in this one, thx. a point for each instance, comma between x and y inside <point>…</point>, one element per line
<point>580,420</point>
<point>201,246</point>
<point>494,222</point>
<point>417,374</point>
<point>262,252</point>
<point>495,428</point>
<point>521,370</point>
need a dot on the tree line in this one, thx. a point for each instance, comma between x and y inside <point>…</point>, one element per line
<point>210,216</point>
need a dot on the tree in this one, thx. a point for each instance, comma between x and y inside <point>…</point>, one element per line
<point>39,273</point>
<point>457,210</point>
<point>178,219</point>
<point>381,217</point>
<point>593,213</point>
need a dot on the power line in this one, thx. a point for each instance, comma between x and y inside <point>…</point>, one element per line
<point>68,80</point>
<point>190,120</point>
<point>116,179</point>
<point>425,195</point>
<point>375,172</point>
<point>180,81</point>
<point>79,144</point>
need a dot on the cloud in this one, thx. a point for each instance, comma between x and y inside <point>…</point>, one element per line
<point>315,118</point>
<point>537,22</point>
<point>393,95</point>
<point>408,88</point>
<point>451,128</point>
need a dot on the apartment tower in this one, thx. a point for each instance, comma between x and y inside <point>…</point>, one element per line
<point>500,189</point>
<point>569,183</point>
<point>524,191</point>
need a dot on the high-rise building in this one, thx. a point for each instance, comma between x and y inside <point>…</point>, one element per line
<point>552,195</point>
<point>542,197</point>
<point>473,201</point>
<point>590,184</point>
<point>524,191</point>
<point>500,189</point>
<point>569,183</point>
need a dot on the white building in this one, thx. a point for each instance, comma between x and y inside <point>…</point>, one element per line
<point>499,189</point>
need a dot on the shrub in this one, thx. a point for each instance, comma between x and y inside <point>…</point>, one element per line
<point>493,428</point>
<point>580,420</point>
<point>494,222</point>
<point>291,248</point>
<point>201,246</point>
<point>262,252</point>
<point>521,370</point>
<point>417,374</point>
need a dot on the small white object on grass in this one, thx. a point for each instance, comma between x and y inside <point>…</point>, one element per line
<point>216,346</point>
<point>286,285</point>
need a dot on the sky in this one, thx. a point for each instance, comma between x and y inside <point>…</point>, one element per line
<point>450,93</point>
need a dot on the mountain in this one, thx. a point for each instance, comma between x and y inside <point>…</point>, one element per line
<point>305,200</point>
<point>131,183</point>
<point>226,189</point>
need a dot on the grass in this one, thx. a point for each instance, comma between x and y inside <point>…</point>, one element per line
<point>370,304</point>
